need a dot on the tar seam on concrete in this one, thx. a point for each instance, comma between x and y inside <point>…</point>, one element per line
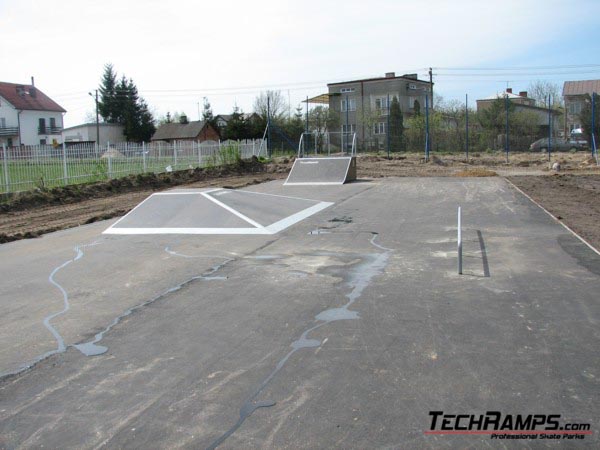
<point>60,342</point>
<point>329,175</point>
<point>361,280</point>
<point>555,219</point>
<point>256,229</point>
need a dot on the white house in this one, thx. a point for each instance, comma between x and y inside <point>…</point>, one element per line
<point>28,116</point>
<point>88,132</point>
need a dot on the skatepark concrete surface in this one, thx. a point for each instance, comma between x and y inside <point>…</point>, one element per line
<point>342,330</point>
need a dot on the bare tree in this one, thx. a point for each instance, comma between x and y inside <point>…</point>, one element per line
<point>277,104</point>
<point>541,89</point>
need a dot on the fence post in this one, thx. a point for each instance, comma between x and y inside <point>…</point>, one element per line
<point>5,167</point>
<point>199,155</point>
<point>109,157</point>
<point>64,155</point>
<point>144,156</point>
<point>174,155</point>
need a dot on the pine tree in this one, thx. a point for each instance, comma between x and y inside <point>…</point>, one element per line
<point>120,103</point>
<point>236,128</point>
<point>396,126</point>
<point>107,89</point>
<point>207,114</point>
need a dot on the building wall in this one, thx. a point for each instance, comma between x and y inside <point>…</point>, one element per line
<point>8,119</point>
<point>208,133</point>
<point>87,133</point>
<point>573,106</point>
<point>368,111</point>
<point>30,124</point>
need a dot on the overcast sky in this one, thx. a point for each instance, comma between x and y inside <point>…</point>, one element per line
<point>177,52</point>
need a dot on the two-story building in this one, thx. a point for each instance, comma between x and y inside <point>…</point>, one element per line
<point>28,116</point>
<point>363,106</point>
<point>575,94</point>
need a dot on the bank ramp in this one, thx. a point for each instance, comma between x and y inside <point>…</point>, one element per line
<point>322,171</point>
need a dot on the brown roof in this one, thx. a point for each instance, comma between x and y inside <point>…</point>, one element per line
<point>168,131</point>
<point>28,97</point>
<point>406,77</point>
<point>581,87</point>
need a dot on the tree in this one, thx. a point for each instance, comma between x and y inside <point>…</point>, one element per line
<point>396,126</point>
<point>277,105</point>
<point>585,117</point>
<point>540,90</point>
<point>207,114</point>
<point>120,103</point>
<point>106,104</point>
<point>237,127</point>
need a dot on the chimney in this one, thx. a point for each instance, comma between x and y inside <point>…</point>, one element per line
<point>32,81</point>
<point>412,76</point>
<point>509,90</point>
<point>183,119</point>
<point>390,74</point>
<point>523,94</point>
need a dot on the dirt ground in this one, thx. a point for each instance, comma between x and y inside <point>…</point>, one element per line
<point>572,194</point>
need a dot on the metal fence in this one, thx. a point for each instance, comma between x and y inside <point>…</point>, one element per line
<point>46,166</point>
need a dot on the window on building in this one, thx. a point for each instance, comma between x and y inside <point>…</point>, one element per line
<point>344,90</point>
<point>349,128</point>
<point>381,104</point>
<point>42,141</point>
<point>379,128</point>
<point>575,108</point>
<point>2,122</point>
<point>351,104</point>
<point>42,126</point>
<point>52,122</point>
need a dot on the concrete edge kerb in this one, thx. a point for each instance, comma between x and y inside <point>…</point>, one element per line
<point>552,215</point>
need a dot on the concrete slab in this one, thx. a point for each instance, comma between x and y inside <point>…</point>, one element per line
<point>344,338</point>
<point>322,171</point>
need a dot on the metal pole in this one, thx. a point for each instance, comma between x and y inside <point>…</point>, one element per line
<point>268,126</point>
<point>467,126</point>
<point>5,167</point>
<point>426,127</point>
<point>459,240</point>
<point>64,155</point>
<point>549,127</point>
<point>144,156</point>
<point>388,127</point>
<point>506,144</point>
<point>594,149</point>
<point>109,159</point>
<point>97,120</point>
<point>347,121</point>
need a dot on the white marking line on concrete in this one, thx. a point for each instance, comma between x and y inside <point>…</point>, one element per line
<point>231,210</point>
<point>309,162</point>
<point>261,230</point>
<point>555,219</point>
<point>294,218</point>
<point>320,183</point>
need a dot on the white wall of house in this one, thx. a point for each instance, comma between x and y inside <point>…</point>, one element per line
<point>87,133</point>
<point>8,119</point>
<point>30,122</point>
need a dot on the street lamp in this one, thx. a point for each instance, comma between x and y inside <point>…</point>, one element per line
<point>97,118</point>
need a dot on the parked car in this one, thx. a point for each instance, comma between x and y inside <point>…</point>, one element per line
<point>558,145</point>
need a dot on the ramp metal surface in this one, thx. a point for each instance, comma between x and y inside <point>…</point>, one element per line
<point>217,211</point>
<point>322,171</point>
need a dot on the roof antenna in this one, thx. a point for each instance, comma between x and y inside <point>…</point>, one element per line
<point>32,81</point>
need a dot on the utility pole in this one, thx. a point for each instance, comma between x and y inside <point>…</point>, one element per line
<point>467,126</point>
<point>431,85</point>
<point>388,126</point>
<point>97,119</point>
<point>549,126</point>
<point>506,144</point>
<point>268,126</point>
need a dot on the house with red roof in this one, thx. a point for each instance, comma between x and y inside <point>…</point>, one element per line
<point>28,116</point>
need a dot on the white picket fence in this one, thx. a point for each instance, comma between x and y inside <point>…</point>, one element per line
<point>45,166</point>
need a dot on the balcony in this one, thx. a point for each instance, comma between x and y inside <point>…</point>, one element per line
<point>9,131</point>
<point>49,130</point>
